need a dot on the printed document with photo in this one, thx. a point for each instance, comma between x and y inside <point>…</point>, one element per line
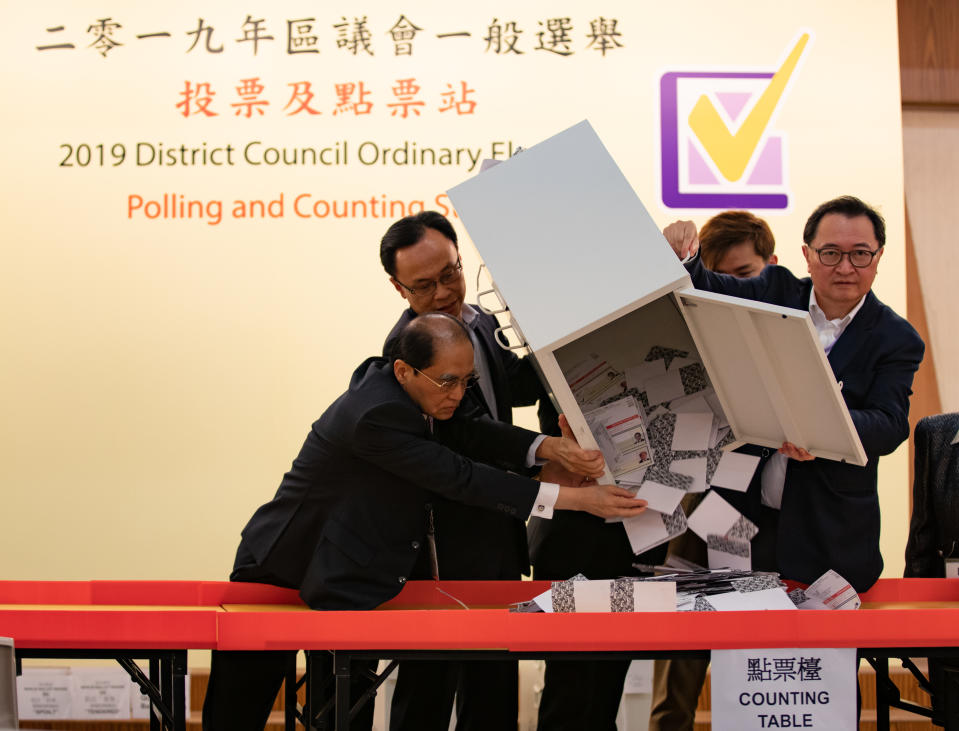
<point>594,379</point>
<point>621,435</point>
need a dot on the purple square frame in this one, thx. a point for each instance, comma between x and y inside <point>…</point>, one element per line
<point>669,135</point>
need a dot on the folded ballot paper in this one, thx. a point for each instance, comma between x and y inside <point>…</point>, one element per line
<point>701,590</point>
<point>579,594</point>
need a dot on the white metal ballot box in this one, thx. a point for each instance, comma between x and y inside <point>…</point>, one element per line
<point>600,300</point>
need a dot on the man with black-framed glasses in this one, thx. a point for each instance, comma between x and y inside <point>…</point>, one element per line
<point>420,254</point>
<point>817,514</point>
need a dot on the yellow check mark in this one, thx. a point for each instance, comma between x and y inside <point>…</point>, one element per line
<point>732,152</point>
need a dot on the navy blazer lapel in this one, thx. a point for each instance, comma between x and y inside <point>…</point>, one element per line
<point>854,336</point>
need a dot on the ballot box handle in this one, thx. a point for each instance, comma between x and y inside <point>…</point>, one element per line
<point>499,340</point>
<point>501,307</point>
<point>480,293</point>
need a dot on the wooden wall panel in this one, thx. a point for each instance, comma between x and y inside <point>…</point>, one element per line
<point>929,51</point>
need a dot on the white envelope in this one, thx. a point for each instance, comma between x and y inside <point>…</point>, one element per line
<point>692,430</point>
<point>735,601</point>
<point>735,471</point>
<point>661,498</point>
<point>713,515</point>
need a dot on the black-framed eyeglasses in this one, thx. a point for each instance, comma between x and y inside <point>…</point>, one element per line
<point>448,384</point>
<point>859,258</point>
<point>449,275</point>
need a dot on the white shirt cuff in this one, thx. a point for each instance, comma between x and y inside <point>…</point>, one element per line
<point>531,460</point>
<point>545,500</point>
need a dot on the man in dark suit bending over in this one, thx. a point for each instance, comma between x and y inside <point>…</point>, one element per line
<point>348,524</point>
<point>421,255</point>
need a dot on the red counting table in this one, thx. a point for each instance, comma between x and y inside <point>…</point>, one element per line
<point>160,621</point>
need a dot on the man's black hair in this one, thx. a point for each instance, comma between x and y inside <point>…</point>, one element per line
<point>408,231</point>
<point>850,207</point>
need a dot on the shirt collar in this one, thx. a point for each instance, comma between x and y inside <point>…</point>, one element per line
<point>816,310</point>
<point>468,314</point>
<point>955,439</point>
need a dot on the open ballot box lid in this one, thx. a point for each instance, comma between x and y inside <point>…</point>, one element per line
<point>582,270</point>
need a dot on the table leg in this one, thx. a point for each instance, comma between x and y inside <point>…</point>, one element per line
<point>881,666</point>
<point>950,698</point>
<point>289,696</point>
<point>341,666</point>
<point>156,723</point>
<point>178,699</point>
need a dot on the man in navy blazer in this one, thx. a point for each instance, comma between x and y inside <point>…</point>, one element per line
<point>934,534</point>
<point>348,524</point>
<point>817,514</point>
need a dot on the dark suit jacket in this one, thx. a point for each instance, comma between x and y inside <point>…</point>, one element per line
<point>478,544</point>
<point>934,530</point>
<point>349,519</point>
<point>830,510</point>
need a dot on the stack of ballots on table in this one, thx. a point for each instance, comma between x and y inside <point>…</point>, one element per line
<point>703,590</point>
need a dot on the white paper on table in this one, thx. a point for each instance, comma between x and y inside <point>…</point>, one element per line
<point>735,471</point>
<point>664,388</point>
<point>713,516</point>
<point>591,596</point>
<point>545,600</point>
<point>692,431</point>
<point>813,604</point>
<point>735,601</point>
<point>661,498</point>
<point>638,375</point>
<point>833,591</point>
<point>654,596</point>
<point>694,467</point>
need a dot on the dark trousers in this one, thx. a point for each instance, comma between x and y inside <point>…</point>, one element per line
<point>584,695</point>
<point>486,693</point>
<point>487,696</point>
<point>593,707</point>
<point>677,683</point>
<point>243,686</point>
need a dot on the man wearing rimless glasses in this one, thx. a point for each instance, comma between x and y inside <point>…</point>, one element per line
<point>348,525</point>
<point>421,256</point>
